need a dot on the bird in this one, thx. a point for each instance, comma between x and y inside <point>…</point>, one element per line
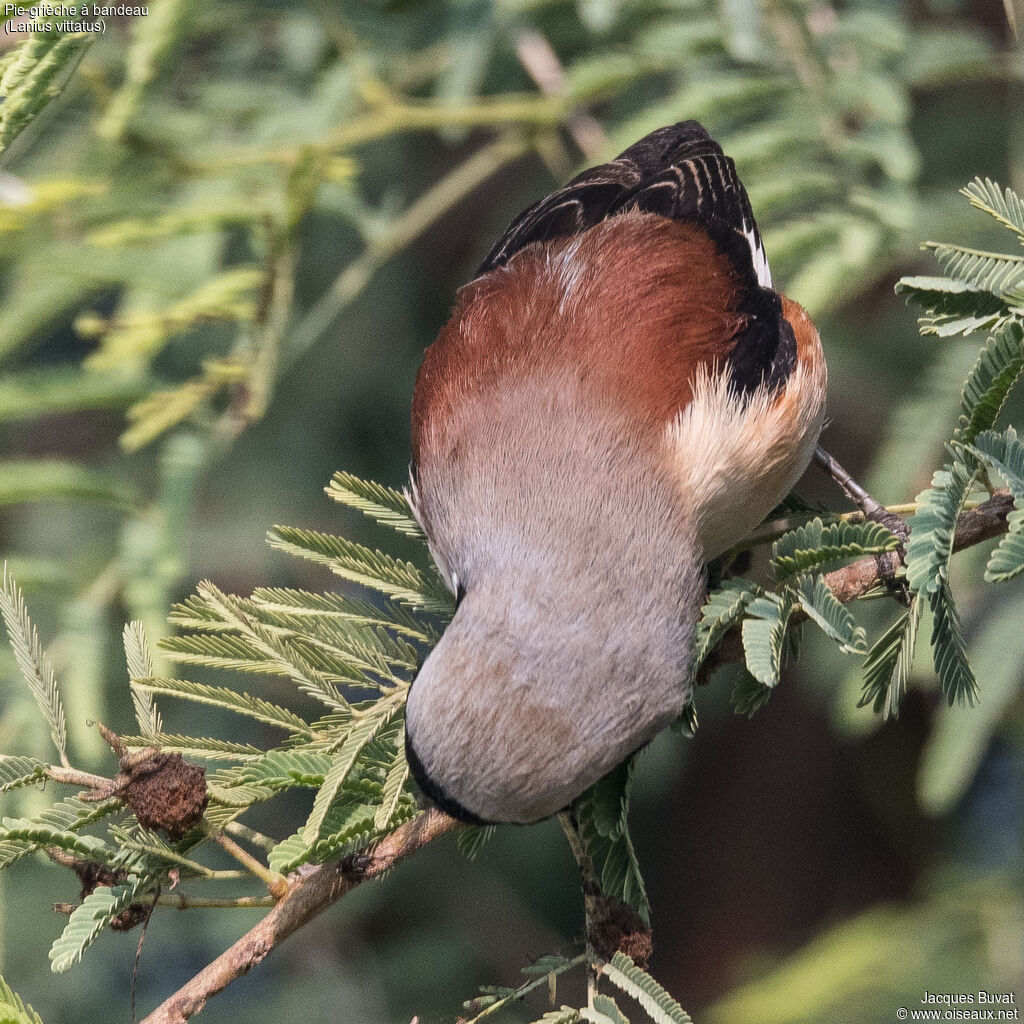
<point>619,396</point>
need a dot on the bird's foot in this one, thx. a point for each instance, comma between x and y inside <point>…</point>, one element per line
<point>889,563</point>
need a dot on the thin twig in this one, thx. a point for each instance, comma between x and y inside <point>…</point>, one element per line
<point>974,526</point>
<point>541,63</point>
<point>276,883</point>
<point>74,777</point>
<point>311,892</point>
<point>179,901</point>
<point>435,202</point>
<point>236,828</point>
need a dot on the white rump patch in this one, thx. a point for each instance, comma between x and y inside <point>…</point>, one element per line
<point>736,457</point>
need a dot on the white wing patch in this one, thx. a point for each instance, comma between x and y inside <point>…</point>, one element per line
<point>757,254</point>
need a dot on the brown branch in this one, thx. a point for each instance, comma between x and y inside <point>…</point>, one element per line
<point>979,524</point>
<point>311,892</point>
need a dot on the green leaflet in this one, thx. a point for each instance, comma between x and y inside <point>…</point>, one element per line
<point>887,667</point>
<point>539,973</point>
<point>984,289</point>
<point>625,974</point>
<point>401,581</point>
<point>32,661</point>
<point>602,818</point>
<point>819,547</point>
<point>283,768</point>
<point>748,695</point>
<point>348,827</point>
<point>998,368</point>
<point>928,552</point>
<point>764,635</point>
<point>722,610</point>
<point>140,666</point>
<point>344,760</point>
<point>931,531</point>
<point>1007,560</point>
<point>205,748</point>
<point>13,1010</point>
<point>996,272</point>
<point>383,504</point>
<point>822,606</point>
<point>605,1008</point>
<point>949,651</point>
<point>472,838</point>
<point>1005,454</point>
<point>258,645</point>
<point>225,698</point>
<point>341,608</point>
<point>394,787</point>
<point>952,306</point>
<point>38,833</point>
<point>30,79</point>
<point>16,772</point>
<point>565,1015</point>
<point>594,1015</point>
<point>1003,204</point>
<point>89,919</point>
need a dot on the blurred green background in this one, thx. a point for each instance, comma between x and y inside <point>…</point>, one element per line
<point>222,253</point>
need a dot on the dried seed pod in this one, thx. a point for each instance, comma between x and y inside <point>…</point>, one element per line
<point>166,792</point>
<point>618,928</point>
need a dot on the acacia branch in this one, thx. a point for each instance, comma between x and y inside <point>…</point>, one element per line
<point>978,524</point>
<point>311,891</point>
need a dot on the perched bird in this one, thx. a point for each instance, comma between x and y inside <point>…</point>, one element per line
<point>619,396</point>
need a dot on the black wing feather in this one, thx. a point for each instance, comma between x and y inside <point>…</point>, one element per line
<point>678,172</point>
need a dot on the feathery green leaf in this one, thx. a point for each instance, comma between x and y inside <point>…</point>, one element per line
<point>823,607</point>
<point>995,272</point>
<point>383,504</point>
<point>722,610</point>
<point>364,730</point>
<point>31,659</point>
<point>89,919</point>
<point>205,748</point>
<point>394,786</point>
<point>606,1008</point>
<point>227,699</point>
<point>816,547</point>
<point>472,838</point>
<point>887,667</point>
<point>281,769</point>
<point>16,772</point>
<point>140,666</point>
<point>1005,454</point>
<point>625,974</point>
<point>998,368</point>
<point>954,307</point>
<point>602,817</point>
<point>934,526</point>
<point>1003,204</point>
<point>13,1010</point>
<point>764,634</point>
<point>949,652</point>
<point>748,695</point>
<point>31,78</point>
<point>565,1015</point>
<point>401,581</point>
